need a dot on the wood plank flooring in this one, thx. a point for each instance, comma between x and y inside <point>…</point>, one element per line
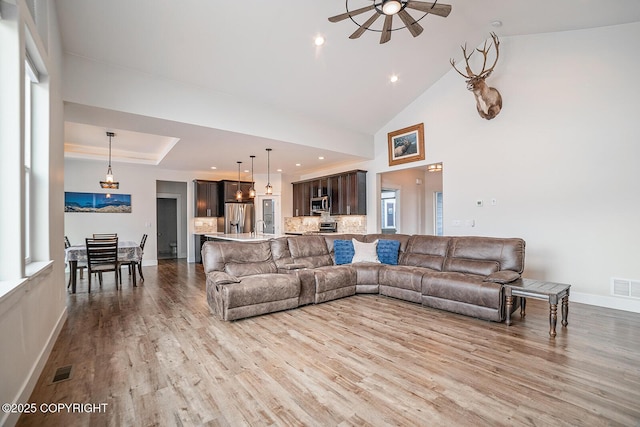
<point>157,357</point>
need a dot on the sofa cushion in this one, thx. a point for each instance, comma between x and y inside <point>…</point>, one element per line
<point>472,266</point>
<point>465,288</point>
<point>310,250</point>
<point>426,251</point>
<point>343,251</point>
<point>365,252</point>
<point>280,252</point>
<point>507,252</point>
<point>247,258</point>
<point>388,251</point>
<point>333,282</point>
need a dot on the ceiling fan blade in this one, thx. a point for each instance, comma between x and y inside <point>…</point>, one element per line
<point>357,33</point>
<point>432,8</point>
<point>386,29</point>
<point>414,28</point>
<point>345,15</point>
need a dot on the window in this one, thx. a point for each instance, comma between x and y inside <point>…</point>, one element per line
<point>437,215</point>
<point>388,210</point>
<point>31,78</point>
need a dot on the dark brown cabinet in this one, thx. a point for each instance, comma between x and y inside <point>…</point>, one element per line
<point>230,188</point>
<point>302,199</point>
<point>347,191</point>
<point>206,199</point>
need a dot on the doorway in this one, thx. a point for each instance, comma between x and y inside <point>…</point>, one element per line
<point>388,211</point>
<point>167,228</point>
<point>171,219</point>
<point>268,216</point>
<point>411,201</point>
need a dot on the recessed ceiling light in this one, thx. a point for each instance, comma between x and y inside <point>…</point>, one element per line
<point>278,170</point>
<point>321,158</point>
<point>319,41</point>
<point>297,164</point>
<point>247,171</point>
<point>497,23</point>
<point>213,167</point>
<point>393,78</point>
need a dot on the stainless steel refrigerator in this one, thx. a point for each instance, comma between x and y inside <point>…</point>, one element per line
<point>238,218</point>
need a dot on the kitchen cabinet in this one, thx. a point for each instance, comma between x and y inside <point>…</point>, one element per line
<point>230,188</point>
<point>302,199</point>
<point>348,193</point>
<point>206,199</point>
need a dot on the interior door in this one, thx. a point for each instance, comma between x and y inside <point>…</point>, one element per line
<point>268,215</point>
<point>167,220</point>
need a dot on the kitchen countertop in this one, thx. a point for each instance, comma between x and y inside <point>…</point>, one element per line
<point>243,237</point>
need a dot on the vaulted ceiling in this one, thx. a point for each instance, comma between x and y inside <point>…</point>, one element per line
<point>264,52</point>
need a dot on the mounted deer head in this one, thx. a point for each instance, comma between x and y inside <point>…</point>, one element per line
<point>488,99</point>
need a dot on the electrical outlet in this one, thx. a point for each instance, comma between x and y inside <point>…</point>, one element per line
<point>494,202</point>
<point>479,203</point>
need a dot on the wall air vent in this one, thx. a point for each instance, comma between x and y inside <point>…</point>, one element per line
<point>625,287</point>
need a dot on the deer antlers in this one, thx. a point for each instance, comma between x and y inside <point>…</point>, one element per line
<point>484,73</point>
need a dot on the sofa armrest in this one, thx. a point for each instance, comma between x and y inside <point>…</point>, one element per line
<point>221,278</point>
<point>502,277</point>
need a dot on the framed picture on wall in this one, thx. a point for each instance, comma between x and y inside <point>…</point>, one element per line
<point>97,202</point>
<point>406,145</point>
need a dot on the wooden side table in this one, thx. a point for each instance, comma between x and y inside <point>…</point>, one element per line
<point>553,292</point>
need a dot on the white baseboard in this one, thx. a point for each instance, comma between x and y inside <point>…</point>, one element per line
<point>617,303</point>
<point>11,419</point>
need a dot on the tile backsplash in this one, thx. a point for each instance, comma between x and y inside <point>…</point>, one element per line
<point>205,225</point>
<point>356,224</point>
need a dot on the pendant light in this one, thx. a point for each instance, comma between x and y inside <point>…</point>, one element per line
<point>239,192</point>
<point>252,190</point>
<point>109,182</point>
<point>269,187</point>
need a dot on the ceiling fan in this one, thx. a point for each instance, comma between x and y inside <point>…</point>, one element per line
<point>389,8</point>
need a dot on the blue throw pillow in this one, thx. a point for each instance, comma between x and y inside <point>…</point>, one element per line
<point>343,251</point>
<point>388,251</point>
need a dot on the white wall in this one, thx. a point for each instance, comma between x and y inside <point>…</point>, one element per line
<point>561,159</point>
<point>33,312</point>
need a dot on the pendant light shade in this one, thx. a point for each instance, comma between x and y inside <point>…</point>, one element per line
<point>109,182</point>
<point>239,192</point>
<point>269,187</point>
<point>252,190</point>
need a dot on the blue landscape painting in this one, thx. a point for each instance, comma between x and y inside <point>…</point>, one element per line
<point>97,202</point>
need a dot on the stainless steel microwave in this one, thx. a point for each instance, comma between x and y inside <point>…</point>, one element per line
<point>320,204</point>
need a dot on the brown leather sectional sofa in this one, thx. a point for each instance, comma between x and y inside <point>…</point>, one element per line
<point>460,274</point>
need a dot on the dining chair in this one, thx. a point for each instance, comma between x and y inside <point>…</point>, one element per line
<point>105,235</point>
<point>79,266</point>
<point>102,256</point>
<point>131,264</point>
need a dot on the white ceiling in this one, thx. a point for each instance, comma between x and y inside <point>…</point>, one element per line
<point>264,51</point>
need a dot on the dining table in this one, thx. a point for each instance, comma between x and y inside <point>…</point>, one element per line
<point>128,251</point>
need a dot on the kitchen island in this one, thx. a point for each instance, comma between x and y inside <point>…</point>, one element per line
<point>241,237</point>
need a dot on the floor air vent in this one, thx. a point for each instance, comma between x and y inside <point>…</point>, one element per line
<point>62,374</point>
<point>625,288</point>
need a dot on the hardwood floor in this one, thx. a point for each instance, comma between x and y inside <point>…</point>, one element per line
<point>156,356</point>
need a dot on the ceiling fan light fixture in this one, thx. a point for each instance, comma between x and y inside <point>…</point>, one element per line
<point>391,7</point>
